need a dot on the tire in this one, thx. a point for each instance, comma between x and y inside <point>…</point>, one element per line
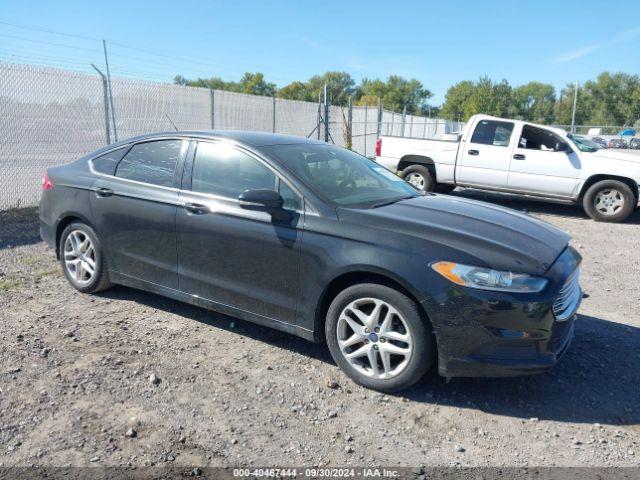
<point>84,257</point>
<point>609,201</point>
<point>400,370</point>
<point>420,177</point>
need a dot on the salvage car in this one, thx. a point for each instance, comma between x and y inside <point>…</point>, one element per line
<point>522,158</point>
<point>320,242</point>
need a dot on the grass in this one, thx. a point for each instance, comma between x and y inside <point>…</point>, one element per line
<point>8,284</point>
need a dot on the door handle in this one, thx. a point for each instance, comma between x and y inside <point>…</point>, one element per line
<point>104,192</point>
<point>474,152</point>
<point>196,208</point>
<point>519,156</point>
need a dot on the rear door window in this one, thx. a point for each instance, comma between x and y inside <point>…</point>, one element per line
<point>151,162</point>
<point>491,132</point>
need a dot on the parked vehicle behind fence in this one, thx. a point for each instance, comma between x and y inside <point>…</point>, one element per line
<point>518,157</point>
<point>602,143</point>
<point>320,242</point>
<point>618,143</point>
<point>634,143</point>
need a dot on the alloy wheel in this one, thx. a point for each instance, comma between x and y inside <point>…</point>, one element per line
<point>79,257</point>
<point>374,338</point>
<point>416,179</point>
<point>608,201</point>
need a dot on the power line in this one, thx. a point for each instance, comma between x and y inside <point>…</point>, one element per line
<point>48,43</point>
<point>178,57</point>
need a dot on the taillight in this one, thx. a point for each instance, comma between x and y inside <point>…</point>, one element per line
<point>47,184</point>
<point>378,147</point>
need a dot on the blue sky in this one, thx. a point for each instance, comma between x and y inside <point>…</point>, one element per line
<point>439,43</point>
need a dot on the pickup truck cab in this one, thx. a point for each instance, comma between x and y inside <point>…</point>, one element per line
<point>518,157</point>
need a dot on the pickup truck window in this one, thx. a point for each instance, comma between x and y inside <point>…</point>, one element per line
<point>534,138</point>
<point>491,132</point>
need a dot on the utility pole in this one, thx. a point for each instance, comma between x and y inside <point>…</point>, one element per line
<point>113,111</point>
<point>573,114</point>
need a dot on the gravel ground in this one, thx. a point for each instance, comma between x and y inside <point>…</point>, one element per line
<point>131,378</point>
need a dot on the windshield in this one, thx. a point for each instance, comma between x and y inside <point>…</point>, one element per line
<point>583,143</point>
<point>342,177</point>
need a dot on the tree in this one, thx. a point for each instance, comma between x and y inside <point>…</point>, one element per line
<point>613,99</point>
<point>340,86</point>
<point>396,93</point>
<point>457,101</point>
<point>296,91</point>
<point>534,102</point>
<point>254,84</point>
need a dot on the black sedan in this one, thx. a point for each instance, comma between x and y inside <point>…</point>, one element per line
<point>320,242</point>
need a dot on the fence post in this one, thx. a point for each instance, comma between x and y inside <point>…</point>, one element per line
<point>350,125</point>
<point>105,100</point>
<point>404,118</point>
<point>213,105</point>
<point>273,122</point>
<point>366,116</point>
<point>319,117</point>
<point>379,125</point>
<point>113,109</point>
<point>326,115</point>
<point>411,127</point>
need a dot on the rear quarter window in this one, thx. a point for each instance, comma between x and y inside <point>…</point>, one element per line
<point>107,163</point>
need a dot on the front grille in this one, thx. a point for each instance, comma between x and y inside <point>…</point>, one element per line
<point>568,300</point>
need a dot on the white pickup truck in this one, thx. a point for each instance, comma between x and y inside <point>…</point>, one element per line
<point>522,158</point>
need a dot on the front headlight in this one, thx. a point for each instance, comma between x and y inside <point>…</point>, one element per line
<point>488,279</point>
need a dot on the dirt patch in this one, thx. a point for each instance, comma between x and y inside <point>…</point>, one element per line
<point>75,378</point>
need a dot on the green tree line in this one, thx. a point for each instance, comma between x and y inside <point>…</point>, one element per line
<point>610,99</point>
<point>395,92</point>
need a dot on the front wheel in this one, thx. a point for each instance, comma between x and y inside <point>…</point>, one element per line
<point>82,259</point>
<point>378,337</point>
<point>609,201</point>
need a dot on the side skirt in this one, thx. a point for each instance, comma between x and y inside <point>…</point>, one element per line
<point>181,296</point>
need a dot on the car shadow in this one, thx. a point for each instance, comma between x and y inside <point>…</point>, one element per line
<point>596,381</point>
<point>529,205</point>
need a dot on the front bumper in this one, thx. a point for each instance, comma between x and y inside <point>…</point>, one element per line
<point>494,334</point>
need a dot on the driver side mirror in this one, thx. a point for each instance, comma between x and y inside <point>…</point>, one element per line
<point>261,199</point>
<point>562,147</point>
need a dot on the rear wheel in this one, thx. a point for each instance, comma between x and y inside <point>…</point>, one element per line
<point>377,336</point>
<point>609,201</point>
<point>82,259</point>
<point>420,177</point>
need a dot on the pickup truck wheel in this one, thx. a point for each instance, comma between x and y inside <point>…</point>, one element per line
<point>609,201</point>
<point>420,177</point>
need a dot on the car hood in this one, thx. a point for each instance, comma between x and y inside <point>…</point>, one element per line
<point>502,238</point>
<point>612,154</point>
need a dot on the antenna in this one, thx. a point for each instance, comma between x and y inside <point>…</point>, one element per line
<point>171,122</point>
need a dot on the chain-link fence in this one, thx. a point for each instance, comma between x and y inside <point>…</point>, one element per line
<point>50,117</point>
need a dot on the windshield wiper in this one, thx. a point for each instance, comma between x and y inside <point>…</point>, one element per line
<point>391,202</point>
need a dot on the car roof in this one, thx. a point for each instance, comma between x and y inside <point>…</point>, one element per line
<point>254,139</point>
